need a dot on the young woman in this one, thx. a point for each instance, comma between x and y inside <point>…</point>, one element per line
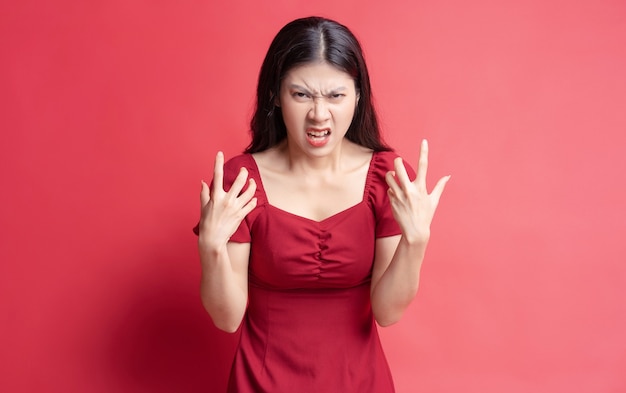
<point>318,230</point>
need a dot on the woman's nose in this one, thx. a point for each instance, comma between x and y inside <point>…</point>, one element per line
<point>319,111</point>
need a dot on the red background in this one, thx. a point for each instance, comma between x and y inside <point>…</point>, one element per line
<point>112,112</point>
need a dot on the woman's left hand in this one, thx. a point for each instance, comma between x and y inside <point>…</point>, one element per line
<point>413,207</point>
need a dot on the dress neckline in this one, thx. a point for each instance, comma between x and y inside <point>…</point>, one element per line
<point>261,188</point>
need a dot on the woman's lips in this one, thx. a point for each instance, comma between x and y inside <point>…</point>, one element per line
<point>317,137</point>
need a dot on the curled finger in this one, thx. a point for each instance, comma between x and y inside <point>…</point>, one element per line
<point>394,188</point>
<point>248,207</point>
<point>239,183</point>
<point>401,173</point>
<point>247,195</point>
<point>205,195</point>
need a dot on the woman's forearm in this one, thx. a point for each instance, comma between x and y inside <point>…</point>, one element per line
<point>223,289</point>
<point>398,285</point>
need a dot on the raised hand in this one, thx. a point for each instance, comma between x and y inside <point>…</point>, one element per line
<point>413,207</point>
<point>222,212</point>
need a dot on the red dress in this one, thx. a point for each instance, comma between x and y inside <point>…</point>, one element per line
<point>309,325</point>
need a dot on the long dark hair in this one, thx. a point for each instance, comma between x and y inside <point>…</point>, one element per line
<point>303,41</point>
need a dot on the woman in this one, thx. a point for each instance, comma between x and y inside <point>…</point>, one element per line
<point>317,231</point>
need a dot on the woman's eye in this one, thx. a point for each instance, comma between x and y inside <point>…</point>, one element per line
<point>298,94</point>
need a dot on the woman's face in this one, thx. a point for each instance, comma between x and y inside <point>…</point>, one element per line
<point>318,102</point>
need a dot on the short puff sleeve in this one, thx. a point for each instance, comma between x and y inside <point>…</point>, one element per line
<point>231,170</point>
<point>382,162</point>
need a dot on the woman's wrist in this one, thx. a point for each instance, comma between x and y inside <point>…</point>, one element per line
<point>416,239</point>
<point>210,250</point>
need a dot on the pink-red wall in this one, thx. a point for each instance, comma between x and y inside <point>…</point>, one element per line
<point>112,111</point>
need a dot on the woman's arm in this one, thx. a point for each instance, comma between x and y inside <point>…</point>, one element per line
<point>395,277</point>
<point>224,283</point>
<point>398,259</point>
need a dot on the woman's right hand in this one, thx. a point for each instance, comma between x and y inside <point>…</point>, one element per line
<point>221,211</point>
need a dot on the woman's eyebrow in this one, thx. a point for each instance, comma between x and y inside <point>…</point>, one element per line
<point>337,90</point>
<point>298,87</point>
<point>306,90</point>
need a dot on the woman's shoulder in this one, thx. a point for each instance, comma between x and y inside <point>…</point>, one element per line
<point>239,160</point>
<point>233,165</point>
<point>383,160</point>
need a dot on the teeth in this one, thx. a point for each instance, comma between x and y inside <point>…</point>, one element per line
<point>318,134</point>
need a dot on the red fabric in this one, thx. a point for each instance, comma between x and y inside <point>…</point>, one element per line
<point>309,326</point>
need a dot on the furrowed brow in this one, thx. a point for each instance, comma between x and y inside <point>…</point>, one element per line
<point>303,89</point>
<point>294,86</point>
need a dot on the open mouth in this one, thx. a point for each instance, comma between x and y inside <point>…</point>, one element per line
<point>317,134</point>
<point>317,137</point>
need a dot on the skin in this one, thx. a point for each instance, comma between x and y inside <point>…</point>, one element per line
<point>315,97</point>
<point>315,178</point>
